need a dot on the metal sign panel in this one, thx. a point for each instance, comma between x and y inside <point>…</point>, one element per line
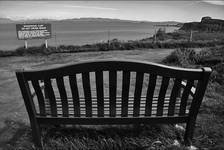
<point>33,31</point>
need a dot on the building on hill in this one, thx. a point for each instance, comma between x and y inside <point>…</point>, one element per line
<point>205,18</point>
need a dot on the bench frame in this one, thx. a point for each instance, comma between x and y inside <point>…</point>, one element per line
<point>202,75</point>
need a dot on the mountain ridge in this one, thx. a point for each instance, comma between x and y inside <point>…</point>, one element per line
<point>7,20</point>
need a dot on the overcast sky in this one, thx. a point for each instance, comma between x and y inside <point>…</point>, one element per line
<point>182,11</point>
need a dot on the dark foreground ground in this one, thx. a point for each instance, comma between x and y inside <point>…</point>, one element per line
<point>15,132</point>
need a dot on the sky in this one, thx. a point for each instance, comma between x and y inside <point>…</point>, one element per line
<point>182,11</point>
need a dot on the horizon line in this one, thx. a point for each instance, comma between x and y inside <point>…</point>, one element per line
<point>55,19</point>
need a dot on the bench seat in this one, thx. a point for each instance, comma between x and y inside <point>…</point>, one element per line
<point>118,107</point>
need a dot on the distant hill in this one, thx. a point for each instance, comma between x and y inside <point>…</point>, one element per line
<point>207,24</point>
<point>98,20</point>
<point>6,20</point>
<point>117,20</point>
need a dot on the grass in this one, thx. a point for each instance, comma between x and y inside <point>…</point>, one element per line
<point>113,137</point>
<point>184,36</point>
<point>210,122</point>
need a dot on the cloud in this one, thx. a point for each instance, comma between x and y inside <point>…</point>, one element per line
<point>191,3</point>
<point>90,7</point>
<point>214,2</point>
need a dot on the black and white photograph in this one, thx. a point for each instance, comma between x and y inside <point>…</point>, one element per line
<point>112,75</point>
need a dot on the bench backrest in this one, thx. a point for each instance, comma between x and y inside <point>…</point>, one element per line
<point>111,87</point>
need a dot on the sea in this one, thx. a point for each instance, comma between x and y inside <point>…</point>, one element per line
<point>81,32</point>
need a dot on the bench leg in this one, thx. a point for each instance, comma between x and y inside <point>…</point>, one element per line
<point>189,133</point>
<point>36,135</point>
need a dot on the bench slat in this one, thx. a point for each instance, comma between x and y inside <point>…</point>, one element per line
<point>162,93</point>
<point>118,99</point>
<point>125,92</point>
<point>118,110</point>
<point>173,96</point>
<point>130,114</point>
<point>87,93</point>
<point>100,93</point>
<point>40,96</point>
<point>109,120</point>
<point>119,107</point>
<point>138,91</point>
<point>136,66</point>
<point>51,96</point>
<point>150,93</point>
<point>112,92</point>
<point>63,95</point>
<point>75,95</point>
<point>185,96</point>
<point>106,106</point>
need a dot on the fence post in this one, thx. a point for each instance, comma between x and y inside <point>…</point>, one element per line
<point>46,43</point>
<point>25,41</point>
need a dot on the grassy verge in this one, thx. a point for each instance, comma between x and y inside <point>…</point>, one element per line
<point>131,137</point>
<point>210,123</point>
<point>113,45</point>
<point>185,36</point>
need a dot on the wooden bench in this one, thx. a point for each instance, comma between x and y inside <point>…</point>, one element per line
<point>113,92</point>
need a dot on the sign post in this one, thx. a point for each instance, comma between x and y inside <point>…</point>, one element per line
<point>33,31</point>
<point>46,43</point>
<point>55,41</point>
<point>25,44</point>
<point>191,36</point>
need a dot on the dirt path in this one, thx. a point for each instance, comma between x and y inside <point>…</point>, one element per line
<point>11,103</point>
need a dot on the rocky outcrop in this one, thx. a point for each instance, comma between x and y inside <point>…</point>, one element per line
<point>207,24</point>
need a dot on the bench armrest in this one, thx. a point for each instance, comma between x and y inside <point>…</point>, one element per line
<point>33,93</point>
<point>193,89</point>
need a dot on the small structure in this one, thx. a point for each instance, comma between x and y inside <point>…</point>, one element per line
<point>205,18</point>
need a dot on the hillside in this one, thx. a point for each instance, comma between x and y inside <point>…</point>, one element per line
<point>207,24</point>
<point>5,21</point>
